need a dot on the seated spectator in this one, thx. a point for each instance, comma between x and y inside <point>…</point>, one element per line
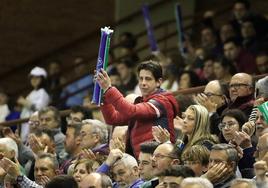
<point>241,90</point>
<point>85,82</point>
<point>231,132</point>
<point>62,181</point>
<point>4,109</point>
<point>129,79</point>
<point>55,82</point>
<point>145,160</point>
<point>46,166</point>
<point>173,177</point>
<point>197,158</point>
<point>250,41</point>
<point>223,69</point>
<point>246,183</point>
<point>222,166</point>
<point>209,41</point>
<point>77,114</point>
<point>72,147</point>
<point>196,183</point>
<point>124,169</point>
<point>215,99</point>
<point>164,157</point>
<point>243,60</point>
<point>262,62</point>
<point>94,136</point>
<point>188,79</point>
<point>208,71</point>
<point>37,99</point>
<point>82,168</point>
<point>196,128</point>
<point>50,119</point>
<point>96,180</point>
<point>226,31</point>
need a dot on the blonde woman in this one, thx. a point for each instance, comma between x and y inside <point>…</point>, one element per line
<point>195,128</point>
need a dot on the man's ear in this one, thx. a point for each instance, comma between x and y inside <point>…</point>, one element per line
<point>159,82</point>
<point>175,162</point>
<point>77,141</point>
<point>12,154</point>
<point>57,172</point>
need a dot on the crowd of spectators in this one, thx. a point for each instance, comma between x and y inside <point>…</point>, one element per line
<point>142,135</point>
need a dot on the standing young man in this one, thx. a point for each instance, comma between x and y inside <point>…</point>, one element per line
<point>155,107</point>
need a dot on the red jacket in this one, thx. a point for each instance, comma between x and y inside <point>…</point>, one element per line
<point>159,108</point>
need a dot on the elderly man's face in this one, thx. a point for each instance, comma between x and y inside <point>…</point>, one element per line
<point>213,92</point>
<point>48,120</point>
<point>240,85</point>
<point>216,157</point>
<point>44,167</point>
<point>92,180</point>
<point>4,151</point>
<point>89,139</point>
<point>261,124</point>
<point>124,175</point>
<point>161,159</point>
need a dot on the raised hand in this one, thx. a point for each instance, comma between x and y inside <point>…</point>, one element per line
<point>7,132</point>
<point>103,79</point>
<point>217,172</point>
<point>249,128</point>
<point>36,145</point>
<point>113,156</point>
<point>116,143</point>
<point>205,101</point>
<point>160,134</point>
<point>13,169</point>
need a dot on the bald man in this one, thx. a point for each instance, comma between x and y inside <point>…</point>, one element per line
<point>241,91</point>
<point>96,180</point>
<point>214,98</point>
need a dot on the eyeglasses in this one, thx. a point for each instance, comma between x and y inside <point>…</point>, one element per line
<point>228,125</point>
<point>34,123</point>
<point>209,94</point>
<point>238,85</point>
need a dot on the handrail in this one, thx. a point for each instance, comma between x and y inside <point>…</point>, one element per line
<point>71,44</point>
<point>188,91</point>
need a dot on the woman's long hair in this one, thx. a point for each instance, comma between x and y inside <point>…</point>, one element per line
<point>201,130</point>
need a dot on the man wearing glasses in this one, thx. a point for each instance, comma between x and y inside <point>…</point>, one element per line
<point>241,92</point>
<point>214,98</point>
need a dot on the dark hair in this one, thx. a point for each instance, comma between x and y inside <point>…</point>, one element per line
<point>175,152</point>
<point>194,79</point>
<point>233,40</point>
<point>152,66</point>
<point>76,127</point>
<point>179,171</point>
<point>87,114</point>
<point>43,83</point>
<point>224,87</point>
<point>237,114</point>
<point>40,131</point>
<point>62,181</point>
<point>55,111</point>
<point>130,40</point>
<point>148,147</point>
<point>184,101</point>
<point>246,3</point>
<point>225,63</point>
